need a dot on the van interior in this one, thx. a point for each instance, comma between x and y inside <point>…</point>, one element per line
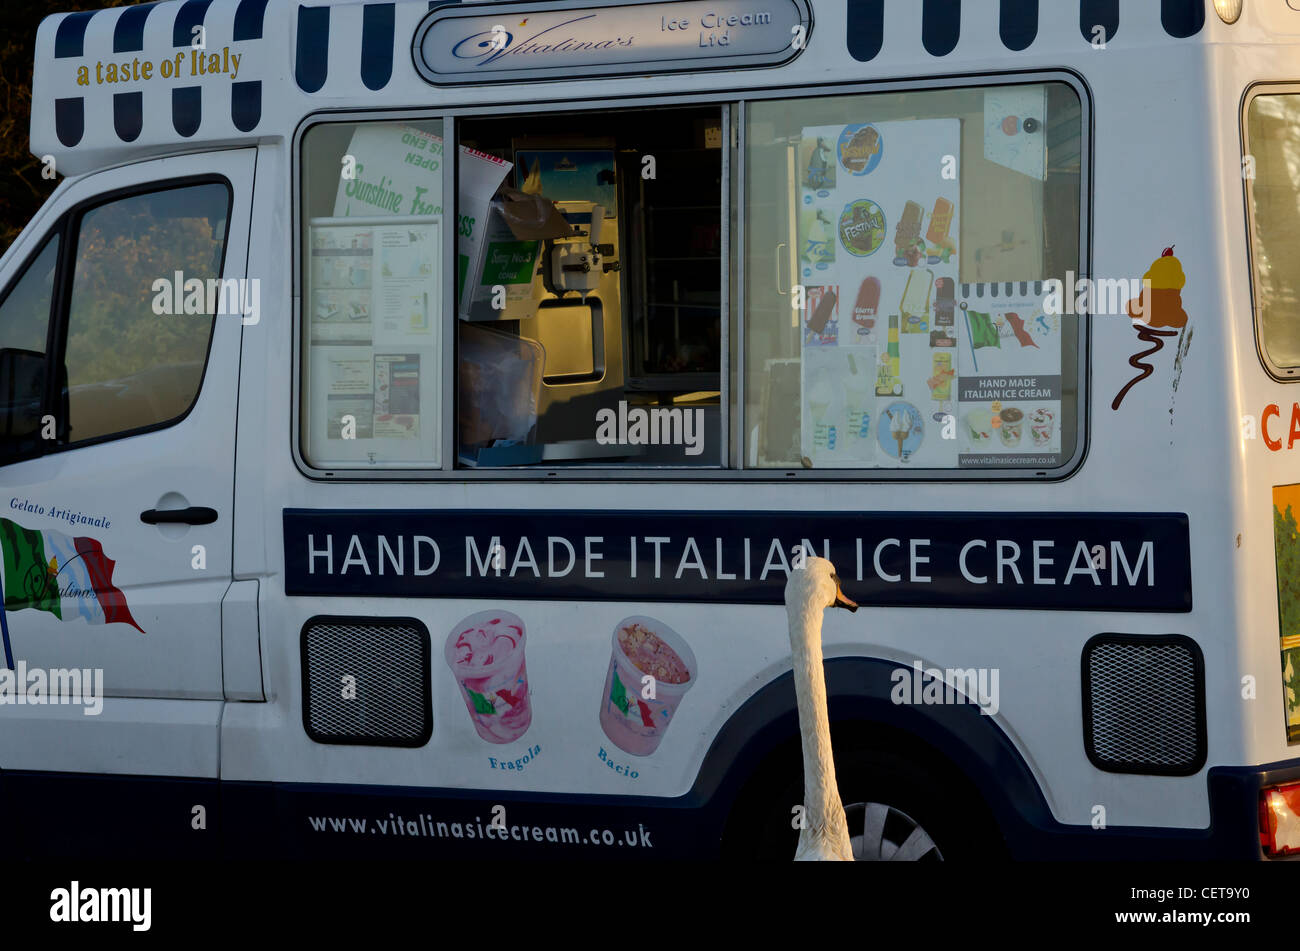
<point>623,313</point>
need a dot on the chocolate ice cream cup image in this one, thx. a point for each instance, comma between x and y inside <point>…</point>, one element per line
<point>1013,424</point>
<point>636,712</point>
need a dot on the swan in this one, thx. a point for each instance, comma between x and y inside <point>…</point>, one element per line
<point>808,592</point>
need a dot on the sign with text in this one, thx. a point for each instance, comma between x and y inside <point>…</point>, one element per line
<point>512,41</point>
<point>1045,560</point>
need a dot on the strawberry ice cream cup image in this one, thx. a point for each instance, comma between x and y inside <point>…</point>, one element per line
<point>635,712</point>
<point>485,652</point>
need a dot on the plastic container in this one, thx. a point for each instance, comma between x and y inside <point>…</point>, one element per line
<point>500,387</point>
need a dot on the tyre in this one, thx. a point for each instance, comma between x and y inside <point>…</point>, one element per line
<point>900,806</point>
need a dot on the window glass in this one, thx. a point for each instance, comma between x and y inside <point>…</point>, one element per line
<point>897,249</point>
<point>590,312</point>
<point>372,294</point>
<point>25,313</point>
<point>144,298</point>
<point>1273,131</point>
<point>24,323</point>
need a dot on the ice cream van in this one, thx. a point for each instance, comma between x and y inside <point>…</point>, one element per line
<point>411,414</point>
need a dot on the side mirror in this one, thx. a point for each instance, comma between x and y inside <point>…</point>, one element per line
<point>22,391</point>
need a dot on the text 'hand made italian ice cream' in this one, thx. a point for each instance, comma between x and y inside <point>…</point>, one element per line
<point>1158,305</point>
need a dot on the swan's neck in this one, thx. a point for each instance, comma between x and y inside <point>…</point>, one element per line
<point>823,811</point>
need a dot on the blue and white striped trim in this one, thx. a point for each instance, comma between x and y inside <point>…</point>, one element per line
<point>1017,23</point>
<point>373,53</point>
<point>378,45</point>
<point>186,101</point>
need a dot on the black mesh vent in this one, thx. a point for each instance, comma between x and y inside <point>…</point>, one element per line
<point>389,659</point>
<point>1144,704</point>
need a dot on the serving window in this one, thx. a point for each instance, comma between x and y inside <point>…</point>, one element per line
<point>372,299</point>
<point>1272,139</point>
<point>897,248</point>
<point>837,283</point>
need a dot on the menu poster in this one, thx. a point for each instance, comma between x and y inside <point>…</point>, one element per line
<point>1008,387</point>
<point>397,395</point>
<point>409,257</point>
<point>372,311</point>
<point>341,260</point>
<point>877,228</point>
<point>346,413</point>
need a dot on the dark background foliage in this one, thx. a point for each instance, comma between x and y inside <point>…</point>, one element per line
<point>22,189</point>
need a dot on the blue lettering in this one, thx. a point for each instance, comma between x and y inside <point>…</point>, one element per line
<point>491,56</point>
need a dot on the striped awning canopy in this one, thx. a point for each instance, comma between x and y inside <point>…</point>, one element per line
<point>264,64</point>
<point>1018,22</point>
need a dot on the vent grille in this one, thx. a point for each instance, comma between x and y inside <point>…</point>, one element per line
<point>1144,704</point>
<point>389,659</point>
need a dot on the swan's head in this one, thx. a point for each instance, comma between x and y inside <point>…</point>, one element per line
<point>816,583</point>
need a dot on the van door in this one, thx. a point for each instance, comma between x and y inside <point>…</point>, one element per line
<point>116,526</point>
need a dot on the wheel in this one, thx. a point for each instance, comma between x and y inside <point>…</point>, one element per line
<point>900,806</point>
<point>881,833</point>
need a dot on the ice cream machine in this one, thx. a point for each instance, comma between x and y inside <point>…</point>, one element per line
<point>578,262</point>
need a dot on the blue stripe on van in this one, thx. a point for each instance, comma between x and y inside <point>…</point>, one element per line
<point>70,120</point>
<point>1182,18</point>
<point>315,564</point>
<point>866,29</point>
<point>1098,13</point>
<point>1018,23</point>
<point>249,19</point>
<point>187,110</point>
<point>187,18</point>
<point>128,115</point>
<point>377,45</point>
<point>128,32</point>
<point>312,47</point>
<point>246,105</point>
<point>70,38</point>
<point>940,26</point>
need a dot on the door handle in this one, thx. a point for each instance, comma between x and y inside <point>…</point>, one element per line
<point>194,515</point>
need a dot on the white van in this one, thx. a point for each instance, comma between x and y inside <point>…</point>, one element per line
<point>335,522</point>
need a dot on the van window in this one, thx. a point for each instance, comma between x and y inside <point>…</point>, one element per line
<point>896,249</point>
<point>590,316</point>
<point>24,325</point>
<point>1273,141</point>
<point>895,310</point>
<point>372,204</point>
<point>25,313</point>
<point>142,308</point>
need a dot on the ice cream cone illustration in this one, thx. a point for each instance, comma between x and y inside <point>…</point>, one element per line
<point>1160,302</point>
<point>900,427</point>
<point>1158,305</point>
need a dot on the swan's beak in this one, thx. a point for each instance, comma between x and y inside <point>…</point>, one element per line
<point>842,601</point>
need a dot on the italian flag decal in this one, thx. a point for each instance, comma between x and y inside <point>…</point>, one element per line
<point>68,577</point>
